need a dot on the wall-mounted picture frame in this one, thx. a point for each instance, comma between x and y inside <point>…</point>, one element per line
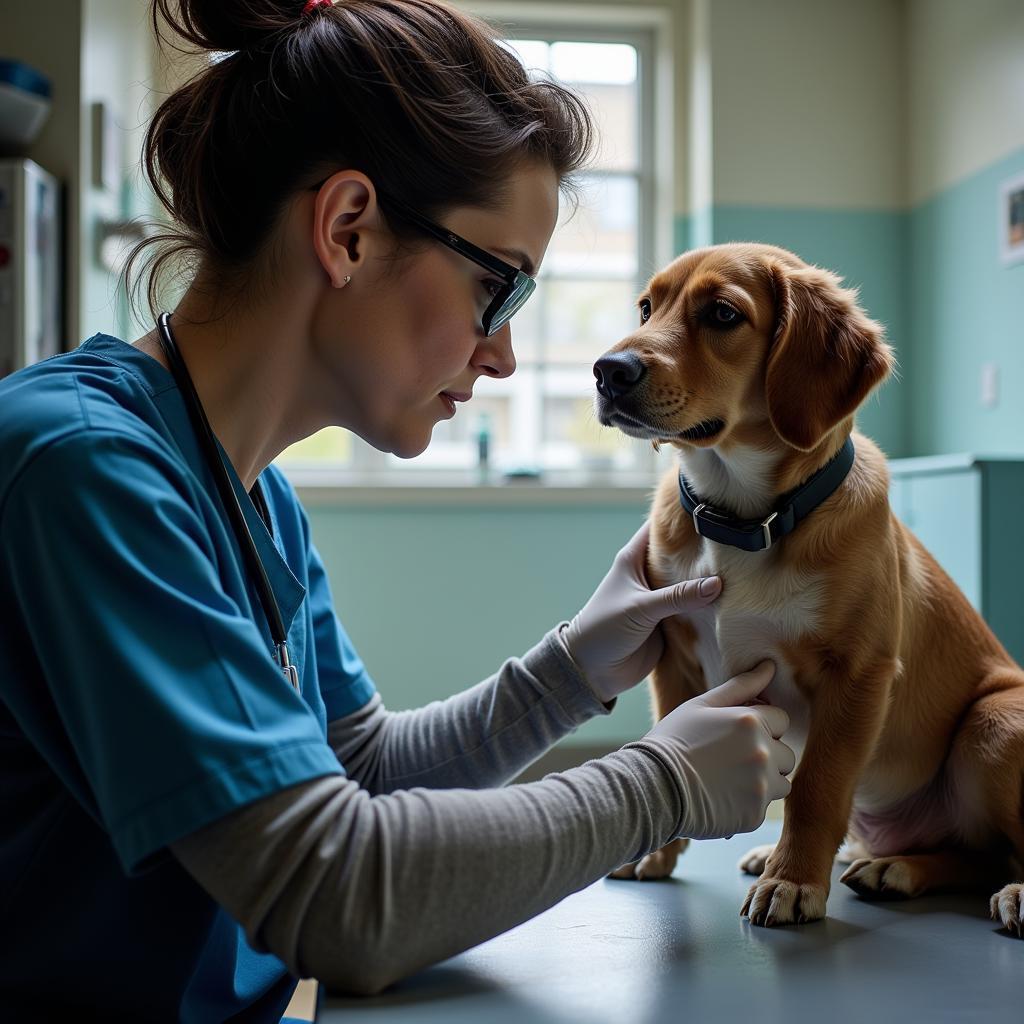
<point>1011,219</point>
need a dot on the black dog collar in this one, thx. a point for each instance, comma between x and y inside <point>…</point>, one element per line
<point>760,534</point>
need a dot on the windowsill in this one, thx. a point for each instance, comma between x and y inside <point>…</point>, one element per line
<point>463,488</point>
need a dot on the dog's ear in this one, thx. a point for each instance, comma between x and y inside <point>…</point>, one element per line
<point>825,358</point>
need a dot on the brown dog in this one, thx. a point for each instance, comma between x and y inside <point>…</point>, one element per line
<point>907,713</point>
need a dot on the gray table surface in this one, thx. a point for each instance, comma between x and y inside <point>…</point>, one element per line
<point>677,950</point>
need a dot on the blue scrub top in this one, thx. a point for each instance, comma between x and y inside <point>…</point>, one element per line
<point>138,696</point>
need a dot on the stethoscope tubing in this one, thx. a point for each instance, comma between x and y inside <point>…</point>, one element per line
<point>211,452</point>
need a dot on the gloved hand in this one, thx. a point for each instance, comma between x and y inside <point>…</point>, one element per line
<point>733,763</point>
<point>614,639</point>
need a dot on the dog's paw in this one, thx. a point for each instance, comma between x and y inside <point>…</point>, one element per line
<point>773,901</point>
<point>658,864</point>
<point>754,860</point>
<point>1007,907</point>
<point>882,878</point>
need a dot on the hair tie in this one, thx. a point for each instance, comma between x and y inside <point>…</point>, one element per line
<point>312,5</point>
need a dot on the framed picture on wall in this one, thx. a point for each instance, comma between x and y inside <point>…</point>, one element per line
<point>1011,219</point>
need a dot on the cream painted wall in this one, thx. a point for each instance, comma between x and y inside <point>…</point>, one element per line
<point>966,89</point>
<point>808,103</point>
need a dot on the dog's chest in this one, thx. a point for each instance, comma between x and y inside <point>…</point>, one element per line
<point>762,606</point>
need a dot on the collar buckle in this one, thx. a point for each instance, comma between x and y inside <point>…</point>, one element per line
<point>766,525</point>
<point>696,517</point>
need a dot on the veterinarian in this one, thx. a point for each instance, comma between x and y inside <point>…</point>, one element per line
<point>205,797</point>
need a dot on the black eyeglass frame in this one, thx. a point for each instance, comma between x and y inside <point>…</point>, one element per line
<point>518,285</point>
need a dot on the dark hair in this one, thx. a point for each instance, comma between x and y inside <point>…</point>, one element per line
<point>418,96</point>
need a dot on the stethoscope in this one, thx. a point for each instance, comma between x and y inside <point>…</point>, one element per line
<point>228,496</point>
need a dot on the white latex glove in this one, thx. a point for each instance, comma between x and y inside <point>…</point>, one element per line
<point>615,639</point>
<point>735,764</point>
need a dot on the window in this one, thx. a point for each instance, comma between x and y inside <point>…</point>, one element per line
<point>541,419</point>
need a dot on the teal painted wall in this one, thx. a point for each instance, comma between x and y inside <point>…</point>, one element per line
<point>435,599</point>
<point>968,309</point>
<point>693,231</point>
<point>868,249</point>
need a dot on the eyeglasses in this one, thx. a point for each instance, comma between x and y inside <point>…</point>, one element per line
<point>518,286</point>
<point>509,298</point>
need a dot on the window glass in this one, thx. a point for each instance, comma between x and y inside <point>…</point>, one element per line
<point>606,74</point>
<point>586,317</point>
<point>600,236</point>
<point>572,436</point>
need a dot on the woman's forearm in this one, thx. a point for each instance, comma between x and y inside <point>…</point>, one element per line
<point>361,891</point>
<point>480,738</point>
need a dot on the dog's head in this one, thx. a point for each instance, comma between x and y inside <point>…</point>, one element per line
<point>736,341</point>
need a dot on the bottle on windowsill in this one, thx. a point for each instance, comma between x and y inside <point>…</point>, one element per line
<point>483,448</point>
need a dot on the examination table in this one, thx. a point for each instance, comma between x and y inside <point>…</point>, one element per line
<point>674,951</point>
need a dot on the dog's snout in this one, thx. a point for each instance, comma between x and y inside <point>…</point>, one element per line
<point>618,373</point>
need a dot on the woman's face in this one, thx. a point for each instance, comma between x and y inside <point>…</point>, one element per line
<point>394,343</point>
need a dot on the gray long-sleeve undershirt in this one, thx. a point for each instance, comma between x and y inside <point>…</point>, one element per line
<point>477,739</point>
<point>363,880</point>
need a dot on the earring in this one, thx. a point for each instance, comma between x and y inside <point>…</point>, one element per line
<point>348,277</point>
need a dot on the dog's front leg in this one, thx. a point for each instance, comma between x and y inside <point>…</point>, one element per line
<point>677,678</point>
<point>845,721</point>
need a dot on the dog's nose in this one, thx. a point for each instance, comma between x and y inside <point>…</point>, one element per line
<point>618,373</point>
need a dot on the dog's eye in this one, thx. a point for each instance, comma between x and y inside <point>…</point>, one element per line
<point>645,310</point>
<point>721,314</point>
